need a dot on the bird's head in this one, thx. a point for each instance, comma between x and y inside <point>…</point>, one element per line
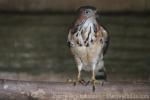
<point>85,12</point>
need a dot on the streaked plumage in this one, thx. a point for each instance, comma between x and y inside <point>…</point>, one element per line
<point>88,42</point>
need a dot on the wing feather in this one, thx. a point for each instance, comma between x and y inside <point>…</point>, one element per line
<point>106,38</point>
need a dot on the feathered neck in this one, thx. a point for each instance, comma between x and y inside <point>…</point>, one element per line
<point>82,20</point>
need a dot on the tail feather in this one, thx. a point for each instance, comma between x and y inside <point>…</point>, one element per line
<point>101,74</point>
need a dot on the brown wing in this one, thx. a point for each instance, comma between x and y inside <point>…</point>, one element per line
<point>101,32</point>
<point>105,33</point>
<point>106,39</point>
<point>69,39</point>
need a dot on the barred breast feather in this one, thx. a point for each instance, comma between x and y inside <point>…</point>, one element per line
<point>87,42</point>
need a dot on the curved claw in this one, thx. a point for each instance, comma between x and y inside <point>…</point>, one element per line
<point>87,83</point>
<point>96,81</point>
<point>79,81</point>
<point>93,88</point>
<point>102,84</point>
<point>82,81</point>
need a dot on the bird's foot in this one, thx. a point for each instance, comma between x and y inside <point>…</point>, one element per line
<point>94,82</point>
<point>75,82</point>
<point>80,81</point>
<point>100,82</point>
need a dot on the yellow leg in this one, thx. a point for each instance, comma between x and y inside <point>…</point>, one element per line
<point>93,80</point>
<point>79,76</point>
<point>79,79</point>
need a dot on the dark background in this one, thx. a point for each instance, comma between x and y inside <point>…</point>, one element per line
<point>33,37</point>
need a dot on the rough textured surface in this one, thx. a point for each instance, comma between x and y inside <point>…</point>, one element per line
<point>25,90</point>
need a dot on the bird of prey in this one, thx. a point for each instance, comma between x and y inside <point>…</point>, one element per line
<point>88,42</point>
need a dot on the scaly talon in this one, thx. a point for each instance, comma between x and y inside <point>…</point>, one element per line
<point>79,80</point>
<point>94,85</point>
<point>94,81</point>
